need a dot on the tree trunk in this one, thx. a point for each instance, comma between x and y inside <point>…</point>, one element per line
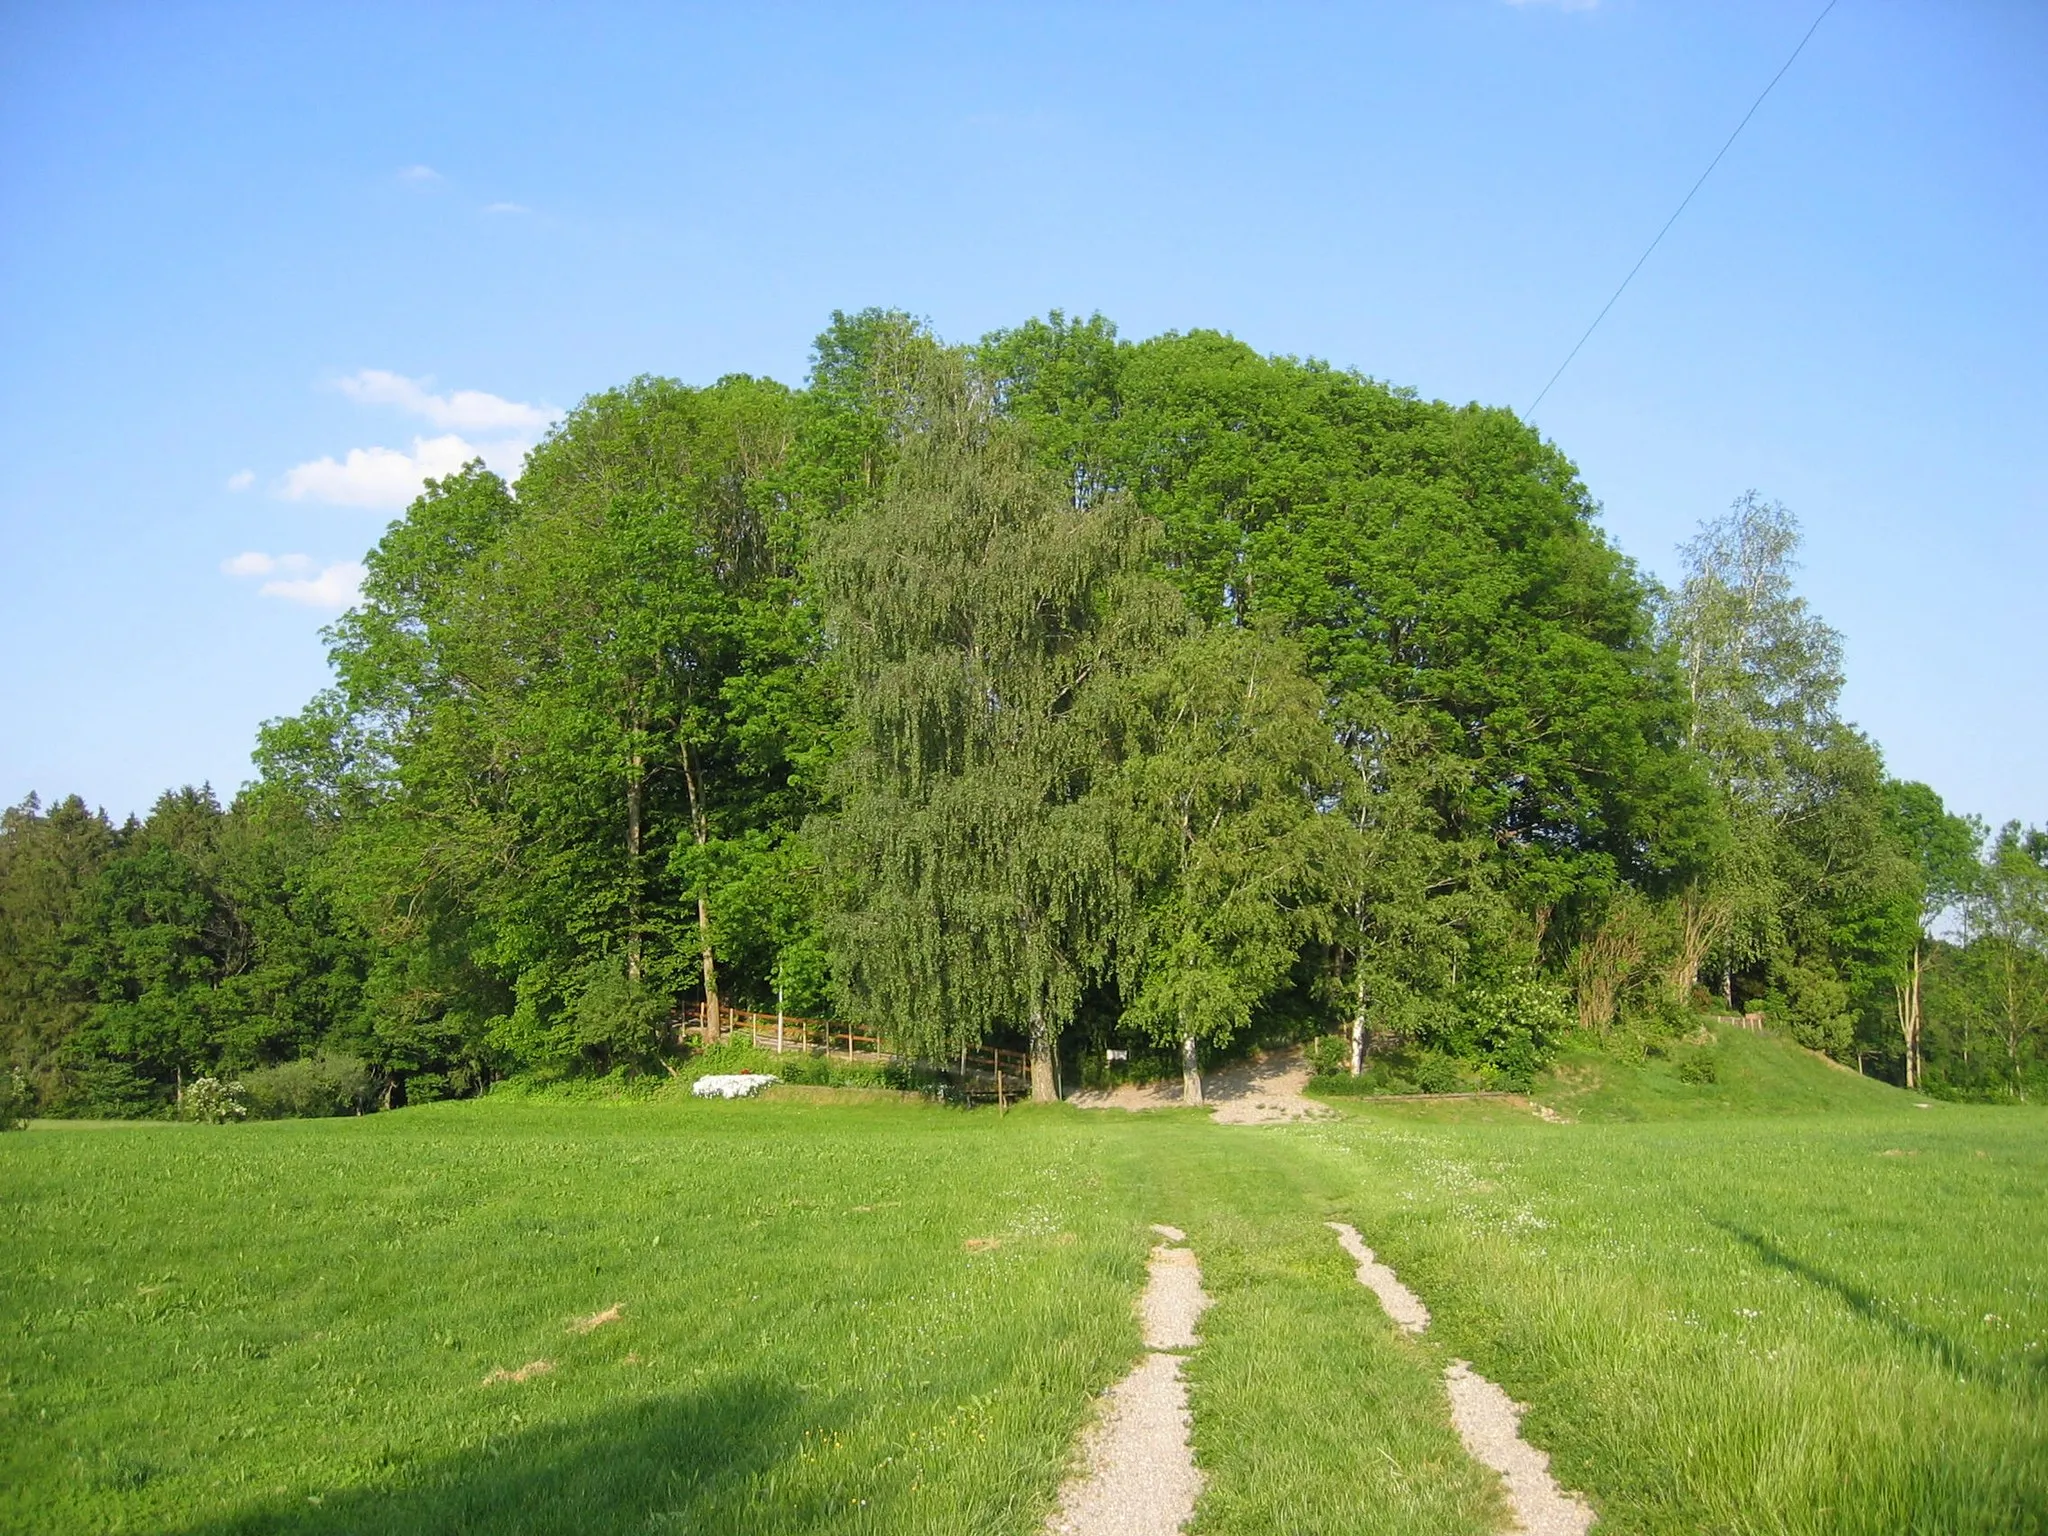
<point>1190,1071</point>
<point>700,829</point>
<point>714,1023</point>
<point>1044,1090</point>
<point>1701,924</point>
<point>636,783</point>
<point>1909,1018</point>
<point>1358,1028</point>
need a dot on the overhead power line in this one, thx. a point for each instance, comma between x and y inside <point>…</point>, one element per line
<point>1632,271</point>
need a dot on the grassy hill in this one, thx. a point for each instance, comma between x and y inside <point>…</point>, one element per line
<point>1739,1073</point>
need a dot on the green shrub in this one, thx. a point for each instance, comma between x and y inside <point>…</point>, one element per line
<point>1342,1085</point>
<point>1328,1056</point>
<point>617,1020</point>
<point>1698,1067</point>
<point>430,1087</point>
<point>312,1087</point>
<point>1437,1073</point>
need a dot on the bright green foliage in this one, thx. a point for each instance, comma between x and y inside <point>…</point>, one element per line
<point>570,735</point>
<point>1437,563</point>
<point>984,629</point>
<point>48,862</point>
<point>1812,901</point>
<point>1409,905</point>
<point>580,724</point>
<point>325,1083</point>
<point>1227,762</point>
<point>195,940</point>
<point>1994,992</point>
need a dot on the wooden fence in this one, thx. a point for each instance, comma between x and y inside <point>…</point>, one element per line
<point>985,1072</point>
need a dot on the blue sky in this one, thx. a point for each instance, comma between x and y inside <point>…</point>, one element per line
<point>259,265</point>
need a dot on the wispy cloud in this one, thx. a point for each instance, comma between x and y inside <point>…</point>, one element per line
<point>296,579</point>
<point>380,477</point>
<point>241,479</point>
<point>506,208</point>
<point>464,410</point>
<point>419,174</point>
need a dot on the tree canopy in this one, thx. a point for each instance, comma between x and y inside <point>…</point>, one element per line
<point>1050,691</point>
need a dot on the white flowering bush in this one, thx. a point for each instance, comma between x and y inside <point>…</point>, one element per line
<point>212,1101</point>
<point>732,1085</point>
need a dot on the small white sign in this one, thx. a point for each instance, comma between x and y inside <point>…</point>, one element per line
<point>1119,1055</point>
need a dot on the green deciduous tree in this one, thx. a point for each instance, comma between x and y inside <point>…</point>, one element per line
<point>1811,897</point>
<point>985,629</point>
<point>49,864</point>
<point>2005,963</point>
<point>1941,858</point>
<point>1442,561</point>
<point>1227,762</point>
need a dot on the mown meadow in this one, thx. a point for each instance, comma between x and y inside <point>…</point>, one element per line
<point>861,1312</point>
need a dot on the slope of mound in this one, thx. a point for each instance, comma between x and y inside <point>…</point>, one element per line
<point>1739,1073</point>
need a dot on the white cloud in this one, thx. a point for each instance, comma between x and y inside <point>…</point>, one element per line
<point>506,208</point>
<point>253,562</point>
<point>419,173</point>
<point>465,410</point>
<point>336,586</point>
<point>384,477</point>
<point>389,478</point>
<point>241,479</point>
<point>330,586</point>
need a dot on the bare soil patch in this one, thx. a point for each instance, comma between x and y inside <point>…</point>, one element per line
<point>526,1372</point>
<point>1265,1090</point>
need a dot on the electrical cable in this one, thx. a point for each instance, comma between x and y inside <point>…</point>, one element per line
<point>1632,271</point>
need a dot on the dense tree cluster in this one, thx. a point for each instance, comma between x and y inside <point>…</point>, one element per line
<point>1050,690</point>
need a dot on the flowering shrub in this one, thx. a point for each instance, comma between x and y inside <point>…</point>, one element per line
<point>212,1101</point>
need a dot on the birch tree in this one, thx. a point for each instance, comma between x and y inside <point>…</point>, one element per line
<point>1227,766</point>
<point>983,624</point>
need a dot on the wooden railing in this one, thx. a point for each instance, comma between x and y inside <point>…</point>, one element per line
<point>983,1072</point>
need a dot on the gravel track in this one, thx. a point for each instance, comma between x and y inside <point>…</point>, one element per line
<point>1137,1473</point>
<point>1485,1417</point>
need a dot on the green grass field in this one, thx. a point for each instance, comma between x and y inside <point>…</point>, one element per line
<point>850,1312</point>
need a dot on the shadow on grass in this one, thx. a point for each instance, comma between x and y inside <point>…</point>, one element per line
<point>701,1462</point>
<point>1951,1355</point>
